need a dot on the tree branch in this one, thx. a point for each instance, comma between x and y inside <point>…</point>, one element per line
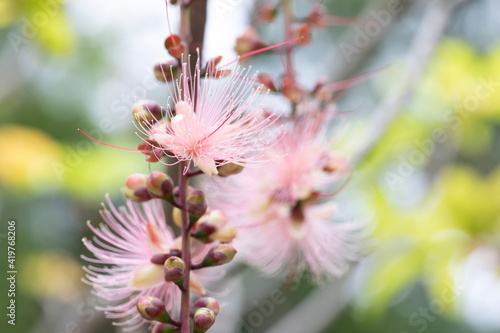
<point>429,33</point>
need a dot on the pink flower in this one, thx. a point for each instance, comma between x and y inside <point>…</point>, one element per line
<point>123,250</point>
<point>224,124</point>
<point>283,215</point>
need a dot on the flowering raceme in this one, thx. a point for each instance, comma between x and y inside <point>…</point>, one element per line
<point>215,121</point>
<point>284,218</point>
<point>136,243</point>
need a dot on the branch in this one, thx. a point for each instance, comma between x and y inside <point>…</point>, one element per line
<point>429,33</point>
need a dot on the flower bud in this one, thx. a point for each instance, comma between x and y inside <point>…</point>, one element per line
<point>152,308</point>
<point>202,231</point>
<point>174,269</point>
<point>249,41</point>
<point>230,169</point>
<point>207,225</point>
<point>203,319</point>
<point>212,71</point>
<point>165,328</point>
<point>267,81</point>
<point>177,193</point>
<point>136,188</point>
<point>225,234</point>
<point>175,46</point>
<point>291,90</point>
<point>177,216</point>
<point>267,13</point>
<point>146,112</point>
<point>304,31</point>
<point>166,71</point>
<point>220,255</point>
<point>207,302</point>
<point>159,184</point>
<point>153,154</point>
<point>317,17</point>
<point>195,203</point>
<point>159,258</point>
<point>212,227</point>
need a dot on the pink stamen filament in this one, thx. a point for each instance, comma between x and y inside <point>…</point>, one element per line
<point>347,83</point>
<point>120,148</point>
<point>218,128</point>
<point>262,50</point>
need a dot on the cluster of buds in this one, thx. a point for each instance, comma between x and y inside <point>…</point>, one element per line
<point>204,310</point>
<point>286,87</point>
<point>168,71</point>
<point>205,227</point>
<point>203,313</point>
<point>140,187</point>
<point>318,18</point>
<point>323,94</point>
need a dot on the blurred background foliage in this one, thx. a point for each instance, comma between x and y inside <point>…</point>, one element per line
<point>430,186</point>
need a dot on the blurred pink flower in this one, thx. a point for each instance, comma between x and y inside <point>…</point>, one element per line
<point>223,124</point>
<point>283,216</point>
<point>124,248</point>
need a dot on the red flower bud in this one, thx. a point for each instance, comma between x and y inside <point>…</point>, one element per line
<point>166,71</point>
<point>267,81</point>
<point>203,319</point>
<point>174,269</point>
<point>175,46</point>
<point>207,302</point>
<point>220,255</point>
<point>196,204</point>
<point>304,31</point>
<point>159,184</point>
<point>267,13</point>
<point>146,112</point>
<point>152,308</point>
<point>153,154</point>
<point>249,41</point>
<point>211,69</point>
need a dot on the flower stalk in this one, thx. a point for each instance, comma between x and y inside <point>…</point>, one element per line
<point>186,247</point>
